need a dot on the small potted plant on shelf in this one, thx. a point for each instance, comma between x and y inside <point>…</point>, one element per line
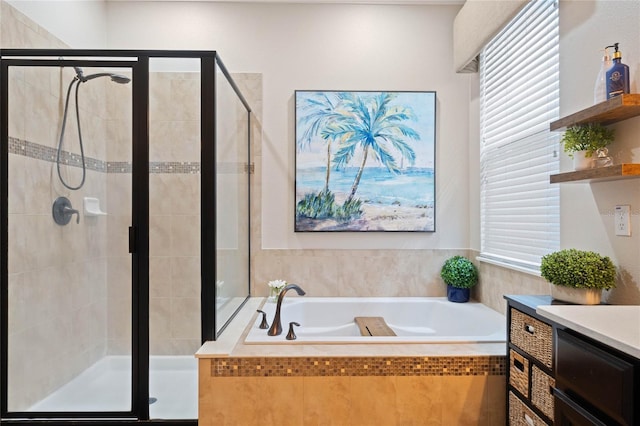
<point>459,274</point>
<point>582,141</point>
<point>578,276</point>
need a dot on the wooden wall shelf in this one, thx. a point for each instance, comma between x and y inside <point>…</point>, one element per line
<point>607,112</point>
<point>619,171</point>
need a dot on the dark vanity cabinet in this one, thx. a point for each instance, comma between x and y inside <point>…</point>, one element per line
<point>530,373</point>
<point>559,376</point>
<point>596,384</point>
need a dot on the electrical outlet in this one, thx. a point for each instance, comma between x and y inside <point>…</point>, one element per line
<point>622,221</point>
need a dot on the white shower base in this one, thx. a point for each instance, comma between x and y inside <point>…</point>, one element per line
<point>106,386</point>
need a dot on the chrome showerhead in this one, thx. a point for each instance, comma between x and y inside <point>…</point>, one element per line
<point>116,78</point>
<point>120,79</point>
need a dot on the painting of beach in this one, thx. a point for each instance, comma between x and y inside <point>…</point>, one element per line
<point>365,161</point>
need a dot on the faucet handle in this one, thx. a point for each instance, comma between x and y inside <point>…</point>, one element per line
<point>291,335</point>
<point>264,323</point>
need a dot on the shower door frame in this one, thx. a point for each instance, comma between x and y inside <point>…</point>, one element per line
<point>138,62</point>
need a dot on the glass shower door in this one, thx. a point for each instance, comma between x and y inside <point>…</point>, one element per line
<point>69,212</point>
<point>174,236</point>
<point>233,171</point>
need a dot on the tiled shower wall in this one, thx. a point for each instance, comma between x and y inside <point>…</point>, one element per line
<point>85,269</point>
<point>174,205</point>
<point>57,274</point>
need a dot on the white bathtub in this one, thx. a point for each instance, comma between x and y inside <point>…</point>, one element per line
<point>413,319</point>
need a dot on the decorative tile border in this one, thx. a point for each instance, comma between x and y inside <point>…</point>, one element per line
<point>45,153</point>
<point>359,366</point>
<point>174,167</point>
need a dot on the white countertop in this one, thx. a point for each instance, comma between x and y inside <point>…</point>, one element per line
<point>615,325</point>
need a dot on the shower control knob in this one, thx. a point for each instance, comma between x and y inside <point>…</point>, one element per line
<point>62,211</point>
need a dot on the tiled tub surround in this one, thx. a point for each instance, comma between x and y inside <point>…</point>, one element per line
<point>362,384</point>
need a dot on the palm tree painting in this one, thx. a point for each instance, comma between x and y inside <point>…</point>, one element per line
<point>365,161</point>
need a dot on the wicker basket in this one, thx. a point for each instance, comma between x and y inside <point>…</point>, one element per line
<point>542,391</point>
<point>521,415</point>
<point>519,372</point>
<point>532,336</point>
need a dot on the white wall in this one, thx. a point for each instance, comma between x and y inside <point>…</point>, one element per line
<point>349,47</point>
<point>587,209</point>
<point>81,24</point>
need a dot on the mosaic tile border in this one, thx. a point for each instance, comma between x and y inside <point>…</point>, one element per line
<point>45,153</point>
<point>359,366</point>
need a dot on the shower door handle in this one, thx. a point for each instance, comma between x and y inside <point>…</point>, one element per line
<point>132,239</point>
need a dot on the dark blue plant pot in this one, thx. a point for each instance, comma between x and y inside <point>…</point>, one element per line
<point>458,295</point>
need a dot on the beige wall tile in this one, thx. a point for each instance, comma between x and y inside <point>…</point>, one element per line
<point>160,236</point>
<point>161,192</point>
<point>119,277</point>
<point>185,193</point>
<point>373,400</point>
<point>185,99</point>
<point>118,140</point>
<point>327,400</point>
<point>119,319</point>
<point>119,101</point>
<point>497,399</point>
<point>174,140</point>
<point>17,103</point>
<point>276,407</point>
<point>118,241</point>
<point>119,196</point>
<point>267,401</point>
<point>419,400</point>
<point>185,235</point>
<point>185,277</point>
<point>465,399</point>
<point>41,121</point>
<point>119,345</point>
<point>160,276</point>
<point>495,282</point>
<point>353,273</point>
<point>159,97</point>
<point>159,318</point>
<point>185,317</point>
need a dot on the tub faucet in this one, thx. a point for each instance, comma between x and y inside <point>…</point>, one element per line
<point>276,326</point>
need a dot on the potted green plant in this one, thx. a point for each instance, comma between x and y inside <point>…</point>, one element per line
<point>578,276</point>
<point>581,142</point>
<point>459,274</point>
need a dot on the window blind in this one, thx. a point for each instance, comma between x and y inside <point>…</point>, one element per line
<point>519,96</point>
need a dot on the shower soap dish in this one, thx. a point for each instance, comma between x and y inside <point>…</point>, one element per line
<point>92,207</point>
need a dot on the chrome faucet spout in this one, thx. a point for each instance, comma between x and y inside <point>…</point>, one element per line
<point>276,326</point>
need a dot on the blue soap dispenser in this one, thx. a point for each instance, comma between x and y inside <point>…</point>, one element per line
<point>617,75</point>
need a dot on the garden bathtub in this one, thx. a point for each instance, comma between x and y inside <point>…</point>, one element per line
<point>330,320</point>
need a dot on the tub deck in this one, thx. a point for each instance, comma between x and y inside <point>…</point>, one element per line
<point>358,384</point>
<point>231,344</point>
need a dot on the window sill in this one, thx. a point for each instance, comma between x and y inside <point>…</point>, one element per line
<point>531,270</point>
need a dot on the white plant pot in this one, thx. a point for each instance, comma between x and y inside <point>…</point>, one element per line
<point>580,296</point>
<point>581,162</point>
